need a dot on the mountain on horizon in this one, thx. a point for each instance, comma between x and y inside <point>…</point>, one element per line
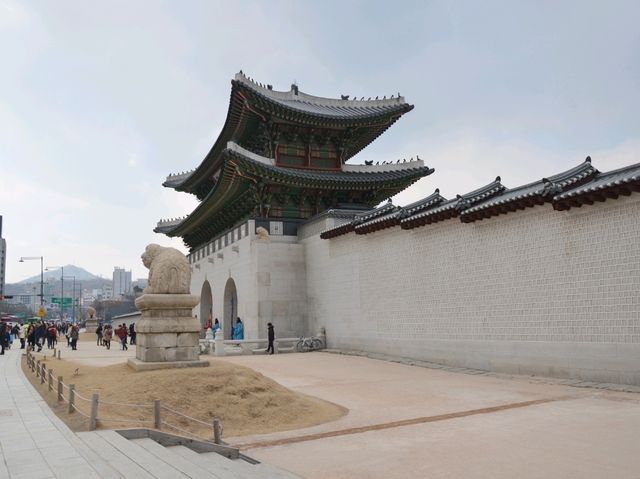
<point>69,270</point>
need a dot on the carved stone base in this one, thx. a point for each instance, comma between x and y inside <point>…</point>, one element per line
<point>167,334</point>
<point>91,325</point>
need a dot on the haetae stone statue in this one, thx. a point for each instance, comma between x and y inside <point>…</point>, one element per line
<point>262,234</point>
<point>169,270</point>
<point>92,323</point>
<point>167,333</point>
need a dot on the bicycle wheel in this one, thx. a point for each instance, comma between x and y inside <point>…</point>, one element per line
<point>316,344</point>
<point>299,346</point>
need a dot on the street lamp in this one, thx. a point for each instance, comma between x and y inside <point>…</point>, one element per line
<point>61,268</point>
<point>26,258</point>
<point>73,304</point>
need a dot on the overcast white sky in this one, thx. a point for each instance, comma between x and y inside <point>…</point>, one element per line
<point>100,100</point>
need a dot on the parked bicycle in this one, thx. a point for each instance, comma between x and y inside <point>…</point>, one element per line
<point>305,345</point>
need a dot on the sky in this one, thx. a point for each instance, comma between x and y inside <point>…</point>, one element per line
<point>101,100</point>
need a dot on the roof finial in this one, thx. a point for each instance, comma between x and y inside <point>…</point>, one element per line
<point>588,159</point>
<point>294,88</point>
<point>437,192</point>
<point>498,178</point>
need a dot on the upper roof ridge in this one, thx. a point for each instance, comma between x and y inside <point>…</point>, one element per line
<point>296,94</point>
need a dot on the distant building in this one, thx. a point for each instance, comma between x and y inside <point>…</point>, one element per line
<point>107,292</point>
<point>121,282</point>
<point>3,259</point>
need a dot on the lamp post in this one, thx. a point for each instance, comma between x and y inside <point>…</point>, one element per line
<point>26,258</point>
<point>73,296</point>
<point>61,268</point>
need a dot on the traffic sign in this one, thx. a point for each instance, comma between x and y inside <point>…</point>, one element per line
<point>67,300</point>
<point>42,312</point>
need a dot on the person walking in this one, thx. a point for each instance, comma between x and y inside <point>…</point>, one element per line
<point>121,332</point>
<point>132,333</point>
<point>41,333</point>
<point>106,338</point>
<point>21,336</point>
<point>99,335</point>
<point>271,335</point>
<point>73,334</point>
<point>3,337</point>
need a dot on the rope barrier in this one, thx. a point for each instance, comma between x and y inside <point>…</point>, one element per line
<point>80,412</point>
<point>81,397</point>
<point>208,424</point>
<point>125,404</point>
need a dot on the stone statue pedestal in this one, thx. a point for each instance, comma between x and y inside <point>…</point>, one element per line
<point>167,334</point>
<point>91,325</point>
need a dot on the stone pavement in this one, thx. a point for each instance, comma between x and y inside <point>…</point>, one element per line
<point>34,443</point>
<point>409,421</point>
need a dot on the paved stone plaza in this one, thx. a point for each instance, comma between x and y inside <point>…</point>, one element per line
<point>452,425</point>
<point>403,421</point>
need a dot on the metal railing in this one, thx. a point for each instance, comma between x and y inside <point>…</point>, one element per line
<point>89,407</point>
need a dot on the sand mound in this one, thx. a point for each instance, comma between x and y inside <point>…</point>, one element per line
<point>244,400</point>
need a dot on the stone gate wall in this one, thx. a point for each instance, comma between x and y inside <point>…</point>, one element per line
<point>532,292</point>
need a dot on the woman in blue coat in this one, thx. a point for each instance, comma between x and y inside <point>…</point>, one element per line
<point>238,330</point>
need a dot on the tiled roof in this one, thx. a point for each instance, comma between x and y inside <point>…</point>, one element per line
<point>529,195</point>
<point>360,121</point>
<point>606,185</point>
<point>329,178</point>
<point>332,108</point>
<point>228,199</point>
<point>383,217</point>
<point>452,208</point>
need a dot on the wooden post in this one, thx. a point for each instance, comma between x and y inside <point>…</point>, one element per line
<point>157,423</point>
<point>93,419</point>
<point>72,397</point>
<point>58,354</point>
<point>54,353</point>
<point>38,368</point>
<point>217,431</point>
<point>59,388</point>
<point>43,373</point>
<point>50,379</point>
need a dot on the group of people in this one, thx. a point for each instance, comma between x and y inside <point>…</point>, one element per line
<point>237,331</point>
<point>36,335</point>
<point>8,333</point>
<point>105,334</point>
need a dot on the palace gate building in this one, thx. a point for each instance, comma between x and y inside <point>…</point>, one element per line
<point>542,278</point>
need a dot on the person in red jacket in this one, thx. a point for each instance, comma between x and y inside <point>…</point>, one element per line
<point>121,332</point>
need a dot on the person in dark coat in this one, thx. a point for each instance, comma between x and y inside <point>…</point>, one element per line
<point>271,335</point>
<point>132,333</point>
<point>4,336</point>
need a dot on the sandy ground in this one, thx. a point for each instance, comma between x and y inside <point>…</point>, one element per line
<point>407,421</point>
<point>244,400</point>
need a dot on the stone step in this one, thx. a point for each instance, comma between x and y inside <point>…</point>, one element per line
<point>126,467</point>
<point>188,467</point>
<point>211,461</point>
<point>157,468</point>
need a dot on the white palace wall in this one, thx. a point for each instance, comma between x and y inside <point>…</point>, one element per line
<point>531,292</point>
<point>269,278</point>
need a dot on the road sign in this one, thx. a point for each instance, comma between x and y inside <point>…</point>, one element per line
<point>68,301</point>
<point>42,312</point>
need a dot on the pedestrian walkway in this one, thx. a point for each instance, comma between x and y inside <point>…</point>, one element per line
<point>34,443</point>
